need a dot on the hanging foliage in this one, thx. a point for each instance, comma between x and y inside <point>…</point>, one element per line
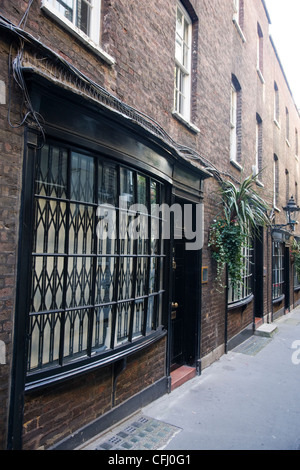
<point>295,257</point>
<point>243,210</point>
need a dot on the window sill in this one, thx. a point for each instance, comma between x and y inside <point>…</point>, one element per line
<point>241,303</point>
<point>52,376</point>
<point>259,183</point>
<point>56,16</point>
<point>187,123</point>
<point>287,142</point>
<point>296,288</point>
<point>261,77</point>
<point>278,299</point>
<point>277,123</point>
<point>239,29</point>
<point>236,164</point>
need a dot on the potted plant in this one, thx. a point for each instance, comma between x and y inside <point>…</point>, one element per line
<point>243,210</point>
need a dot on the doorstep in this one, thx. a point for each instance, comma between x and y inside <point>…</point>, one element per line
<point>258,322</point>
<point>267,330</point>
<point>181,375</point>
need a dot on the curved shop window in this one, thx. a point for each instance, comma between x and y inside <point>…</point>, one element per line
<point>97,260</point>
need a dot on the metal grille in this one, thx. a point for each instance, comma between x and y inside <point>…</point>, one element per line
<point>91,294</point>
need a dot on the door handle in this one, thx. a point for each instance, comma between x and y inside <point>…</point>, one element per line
<point>174,305</point>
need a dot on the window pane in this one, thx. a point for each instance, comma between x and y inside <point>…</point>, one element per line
<point>44,340</point>
<point>107,184</point>
<point>142,197</point>
<point>82,177</point>
<point>81,229</point>
<point>79,281</point>
<point>141,276</point>
<point>66,8</point>
<point>125,278</point>
<point>51,172</point>
<point>123,320</point>
<point>138,317</point>
<point>127,187</point>
<point>49,226</point>
<point>102,328</point>
<point>278,269</point>
<point>105,278</point>
<point>76,328</point>
<point>83,15</point>
<point>47,283</point>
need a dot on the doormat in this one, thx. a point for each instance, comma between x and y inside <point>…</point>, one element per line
<point>139,433</point>
<point>253,345</point>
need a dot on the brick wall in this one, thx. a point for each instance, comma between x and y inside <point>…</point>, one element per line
<point>11,153</point>
<point>54,413</point>
<point>142,41</point>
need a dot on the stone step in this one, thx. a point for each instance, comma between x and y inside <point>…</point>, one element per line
<point>181,375</point>
<point>267,330</point>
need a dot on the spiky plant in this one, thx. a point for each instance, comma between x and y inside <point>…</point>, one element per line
<point>243,211</point>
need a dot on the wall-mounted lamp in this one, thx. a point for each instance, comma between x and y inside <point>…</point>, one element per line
<point>279,234</point>
<point>291,213</point>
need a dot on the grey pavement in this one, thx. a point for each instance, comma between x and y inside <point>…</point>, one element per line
<point>247,400</point>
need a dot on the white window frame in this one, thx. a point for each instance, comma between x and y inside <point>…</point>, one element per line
<point>92,40</point>
<point>260,53</point>
<point>275,182</point>
<point>183,90</point>
<point>245,288</point>
<point>276,105</point>
<point>278,270</point>
<point>236,19</point>
<point>233,126</point>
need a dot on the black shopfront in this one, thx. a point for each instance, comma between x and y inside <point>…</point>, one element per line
<point>86,300</point>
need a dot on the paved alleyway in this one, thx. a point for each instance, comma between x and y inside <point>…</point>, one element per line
<point>249,399</point>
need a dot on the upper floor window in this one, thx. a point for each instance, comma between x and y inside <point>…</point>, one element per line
<point>182,92</point>
<point>276,182</point>
<point>287,126</point>
<point>81,18</point>
<point>235,122</point>
<point>276,104</point>
<point>260,52</point>
<point>287,186</point>
<point>259,147</point>
<point>238,17</point>
<point>82,14</point>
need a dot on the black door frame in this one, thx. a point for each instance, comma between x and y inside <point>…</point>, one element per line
<point>192,294</point>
